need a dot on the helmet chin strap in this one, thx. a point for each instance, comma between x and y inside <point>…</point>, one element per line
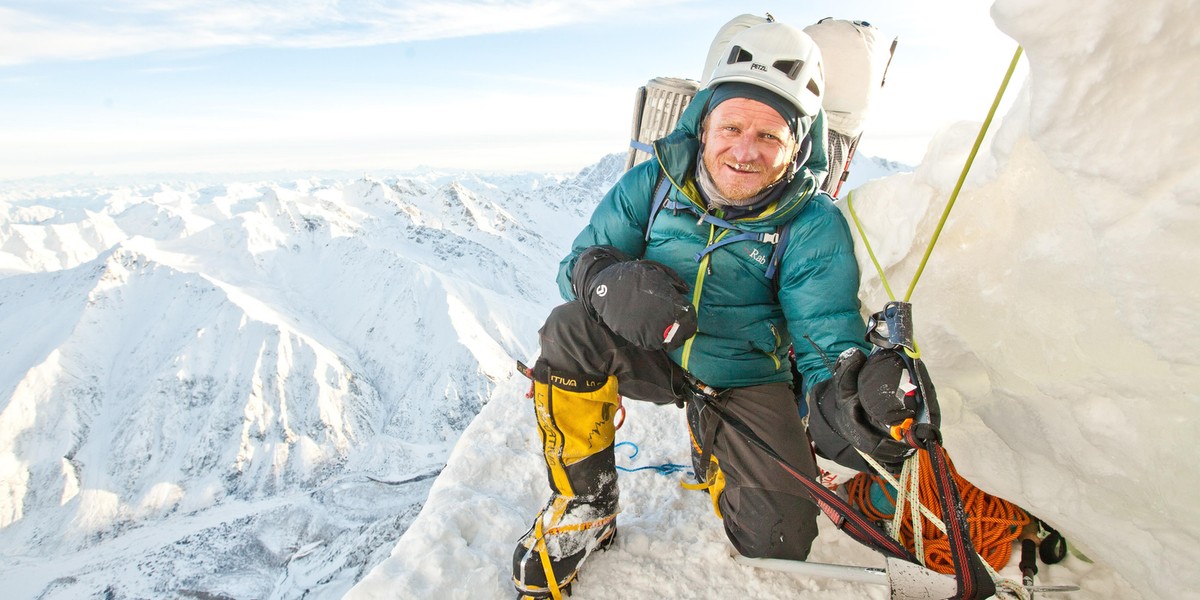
<point>802,154</point>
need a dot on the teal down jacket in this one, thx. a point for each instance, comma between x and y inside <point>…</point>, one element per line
<point>745,321</point>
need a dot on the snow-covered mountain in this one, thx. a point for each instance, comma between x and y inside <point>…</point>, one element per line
<point>245,390</point>
<point>865,168</point>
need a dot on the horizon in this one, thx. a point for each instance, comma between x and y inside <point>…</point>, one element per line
<point>501,87</point>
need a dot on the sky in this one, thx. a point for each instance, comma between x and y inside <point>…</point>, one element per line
<point>533,85</point>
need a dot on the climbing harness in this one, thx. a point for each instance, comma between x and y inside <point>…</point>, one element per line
<point>834,507</point>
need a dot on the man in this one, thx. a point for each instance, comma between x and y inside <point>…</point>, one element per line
<point>709,290</point>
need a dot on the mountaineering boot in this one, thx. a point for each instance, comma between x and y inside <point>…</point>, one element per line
<point>575,416</point>
<point>565,533</point>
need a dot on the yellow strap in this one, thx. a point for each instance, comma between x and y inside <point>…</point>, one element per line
<point>715,484</point>
<point>580,526</point>
<point>551,579</point>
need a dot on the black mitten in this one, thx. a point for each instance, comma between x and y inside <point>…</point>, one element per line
<point>589,264</point>
<point>839,405</point>
<point>822,403</point>
<point>644,302</point>
<point>888,390</point>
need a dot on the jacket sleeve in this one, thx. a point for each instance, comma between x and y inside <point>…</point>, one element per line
<point>618,221</point>
<point>818,289</point>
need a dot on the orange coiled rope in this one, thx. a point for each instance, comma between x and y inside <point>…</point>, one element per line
<point>995,522</point>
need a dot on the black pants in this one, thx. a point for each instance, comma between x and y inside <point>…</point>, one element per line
<point>766,512</point>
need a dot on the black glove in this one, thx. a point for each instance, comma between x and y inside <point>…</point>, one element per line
<point>643,302</point>
<point>840,415</point>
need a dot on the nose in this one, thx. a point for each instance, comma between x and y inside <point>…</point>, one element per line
<point>743,149</point>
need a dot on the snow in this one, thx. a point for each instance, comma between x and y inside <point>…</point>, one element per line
<point>303,387</point>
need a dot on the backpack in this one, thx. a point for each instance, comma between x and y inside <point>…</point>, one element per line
<point>855,68</point>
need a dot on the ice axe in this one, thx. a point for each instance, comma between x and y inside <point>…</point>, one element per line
<point>905,580</point>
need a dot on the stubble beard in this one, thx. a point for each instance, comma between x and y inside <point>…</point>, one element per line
<point>737,194</point>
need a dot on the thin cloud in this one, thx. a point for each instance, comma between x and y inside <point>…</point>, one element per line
<point>172,70</point>
<point>48,31</point>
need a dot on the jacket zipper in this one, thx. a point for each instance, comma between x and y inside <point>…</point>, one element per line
<point>701,273</point>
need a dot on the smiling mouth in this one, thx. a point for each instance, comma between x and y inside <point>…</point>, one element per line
<point>745,168</point>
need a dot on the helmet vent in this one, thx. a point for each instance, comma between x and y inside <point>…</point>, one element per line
<point>791,68</point>
<point>813,87</point>
<point>738,55</point>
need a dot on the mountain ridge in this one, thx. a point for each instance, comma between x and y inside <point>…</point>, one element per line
<point>307,351</point>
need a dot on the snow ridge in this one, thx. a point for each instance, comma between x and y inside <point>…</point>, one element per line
<point>246,389</point>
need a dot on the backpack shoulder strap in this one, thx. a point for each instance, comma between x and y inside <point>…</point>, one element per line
<point>781,237</point>
<point>657,200</point>
<point>643,146</point>
<point>778,239</point>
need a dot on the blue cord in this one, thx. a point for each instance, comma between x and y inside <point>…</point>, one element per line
<point>664,469</point>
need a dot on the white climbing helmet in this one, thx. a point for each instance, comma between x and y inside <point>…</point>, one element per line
<point>778,57</point>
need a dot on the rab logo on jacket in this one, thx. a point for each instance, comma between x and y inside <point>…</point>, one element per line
<point>758,257</point>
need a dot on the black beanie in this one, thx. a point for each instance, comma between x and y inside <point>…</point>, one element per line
<point>738,89</point>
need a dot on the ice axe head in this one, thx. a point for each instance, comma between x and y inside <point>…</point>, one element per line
<point>910,581</point>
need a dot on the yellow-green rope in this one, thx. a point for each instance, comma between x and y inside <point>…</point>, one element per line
<point>866,242</point>
<point>963,176</point>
